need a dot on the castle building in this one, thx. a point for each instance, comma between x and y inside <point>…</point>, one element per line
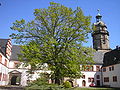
<point>104,72</point>
<point>93,74</point>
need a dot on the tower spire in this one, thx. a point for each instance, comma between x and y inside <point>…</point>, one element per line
<point>98,17</point>
<point>100,34</point>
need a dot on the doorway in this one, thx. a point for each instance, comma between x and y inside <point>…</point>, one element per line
<point>14,77</point>
<point>15,80</point>
<point>98,82</point>
<point>84,83</point>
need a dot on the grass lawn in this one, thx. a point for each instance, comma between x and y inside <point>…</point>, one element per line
<point>96,88</point>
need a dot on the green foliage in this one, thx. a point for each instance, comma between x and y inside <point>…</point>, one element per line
<point>67,84</point>
<point>55,37</point>
<point>42,84</point>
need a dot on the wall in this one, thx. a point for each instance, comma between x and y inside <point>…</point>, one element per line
<point>4,77</point>
<point>90,74</point>
<point>112,73</point>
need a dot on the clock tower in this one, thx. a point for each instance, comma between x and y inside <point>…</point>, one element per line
<point>100,34</point>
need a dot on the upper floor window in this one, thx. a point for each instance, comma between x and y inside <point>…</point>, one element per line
<point>104,69</point>
<point>0,58</point>
<point>16,64</point>
<point>112,68</point>
<point>83,76</point>
<point>98,76</point>
<point>88,68</point>
<point>5,62</point>
<point>114,78</point>
<point>97,68</point>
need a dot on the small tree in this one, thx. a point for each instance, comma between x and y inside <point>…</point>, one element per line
<point>55,37</point>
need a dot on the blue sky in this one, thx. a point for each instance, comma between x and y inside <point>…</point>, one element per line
<point>11,10</point>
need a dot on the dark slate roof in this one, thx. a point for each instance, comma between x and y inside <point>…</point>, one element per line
<point>112,57</point>
<point>98,57</point>
<point>3,43</point>
<point>15,51</point>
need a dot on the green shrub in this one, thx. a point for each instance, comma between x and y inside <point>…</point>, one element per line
<point>67,84</point>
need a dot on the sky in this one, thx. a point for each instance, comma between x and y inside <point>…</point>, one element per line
<point>11,10</point>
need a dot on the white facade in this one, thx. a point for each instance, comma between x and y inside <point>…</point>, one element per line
<point>4,77</point>
<point>90,76</point>
<point>24,74</point>
<point>112,73</point>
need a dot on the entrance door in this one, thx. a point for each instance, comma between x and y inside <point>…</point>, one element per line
<point>14,77</point>
<point>98,82</point>
<point>13,80</point>
<point>84,83</point>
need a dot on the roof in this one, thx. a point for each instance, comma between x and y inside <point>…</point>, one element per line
<point>98,57</point>
<point>3,43</point>
<point>15,51</point>
<point>112,57</point>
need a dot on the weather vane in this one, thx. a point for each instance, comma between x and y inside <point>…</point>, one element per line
<point>98,11</point>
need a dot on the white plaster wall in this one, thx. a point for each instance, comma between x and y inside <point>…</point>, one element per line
<point>110,74</point>
<point>25,77</point>
<point>4,69</point>
<point>89,74</point>
<point>11,64</point>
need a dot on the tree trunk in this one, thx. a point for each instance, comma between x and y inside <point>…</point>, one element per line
<point>57,81</point>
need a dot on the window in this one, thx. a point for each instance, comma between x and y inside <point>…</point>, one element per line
<point>98,76</point>
<point>5,62</point>
<point>91,68</point>
<point>110,68</point>
<point>114,78</point>
<point>16,64</point>
<point>0,58</point>
<point>83,76</point>
<point>90,79</point>
<point>88,68</point>
<point>0,76</point>
<point>97,68</point>
<point>104,69</point>
<point>106,79</point>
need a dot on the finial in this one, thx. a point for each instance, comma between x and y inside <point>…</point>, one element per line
<point>98,10</point>
<point>98,17</point>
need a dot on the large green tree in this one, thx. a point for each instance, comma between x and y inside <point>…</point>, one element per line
<point>55,37</point>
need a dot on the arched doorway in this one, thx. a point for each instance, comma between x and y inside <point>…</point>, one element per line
<point>14,77</point>
<point>84,83</point>
<point>15,80</point>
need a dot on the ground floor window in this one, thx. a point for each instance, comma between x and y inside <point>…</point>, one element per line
<point>0,76</point>
<point>90,79</point>
<point>83,76</point>
<point>106,79</point>
<point>114,78</point>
